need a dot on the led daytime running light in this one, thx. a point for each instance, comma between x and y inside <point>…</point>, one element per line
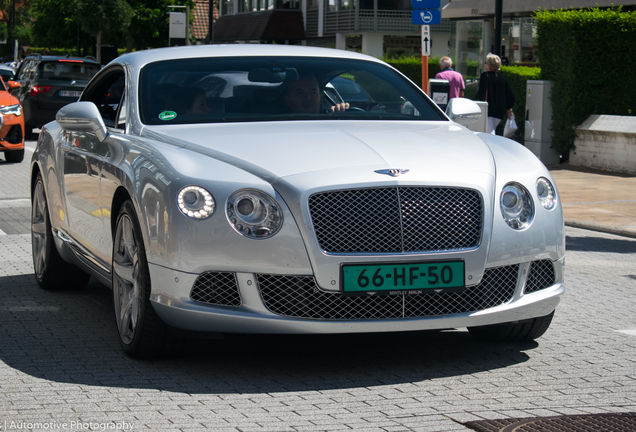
<point>196,202</point>
<point>16,110</point>
<point>546,193</point>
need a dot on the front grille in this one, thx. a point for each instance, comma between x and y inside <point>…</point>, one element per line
<point>397,219</point>
<point>299,297</point>
<point>541,276</point>
<point>217,288</point>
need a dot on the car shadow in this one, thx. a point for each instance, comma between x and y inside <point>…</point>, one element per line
<point>70,337</point>
<point>599,244</point>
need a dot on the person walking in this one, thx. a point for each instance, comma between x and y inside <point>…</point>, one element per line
<point>455,79</point>
<point>494,89</point>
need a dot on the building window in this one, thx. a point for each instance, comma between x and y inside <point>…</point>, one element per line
<point>227,7</point>
<point>287,4</point>
<point>394,5</point>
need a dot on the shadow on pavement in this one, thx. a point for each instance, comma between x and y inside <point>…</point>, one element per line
<point>598,244</point>
<point>70,337</point>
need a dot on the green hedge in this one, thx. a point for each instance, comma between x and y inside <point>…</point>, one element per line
<point>412,67</point>
<point>52,51</point>
<point>589,57</point>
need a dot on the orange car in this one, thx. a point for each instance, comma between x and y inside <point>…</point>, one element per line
<point>11,124</point>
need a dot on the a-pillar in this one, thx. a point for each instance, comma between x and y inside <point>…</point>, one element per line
<point>373,44</point>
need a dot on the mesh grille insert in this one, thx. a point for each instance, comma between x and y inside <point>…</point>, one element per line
<point>541,276</point>
<point>218,288</point>
<point>397,220</point>
<point>299,297</point>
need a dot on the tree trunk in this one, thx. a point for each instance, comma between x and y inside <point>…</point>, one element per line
<point>98,46</point>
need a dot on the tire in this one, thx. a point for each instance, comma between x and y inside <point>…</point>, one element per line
<point>525,330</point>
<point>141,332</point>
<point>14,156</point>
<point>51,271</point>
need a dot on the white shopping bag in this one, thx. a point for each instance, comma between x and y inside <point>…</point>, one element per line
<point>511,127</point>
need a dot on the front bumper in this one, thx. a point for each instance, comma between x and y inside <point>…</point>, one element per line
<point>11,137</point>
<point>321,312</point>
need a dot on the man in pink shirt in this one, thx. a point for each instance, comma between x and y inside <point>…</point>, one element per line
<point>455,79</point>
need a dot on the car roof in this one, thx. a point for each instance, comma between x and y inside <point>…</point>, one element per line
<point>56,58</point>
<point>139,58</point>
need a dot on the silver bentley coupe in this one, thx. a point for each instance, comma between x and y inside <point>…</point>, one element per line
<point>287,189</point>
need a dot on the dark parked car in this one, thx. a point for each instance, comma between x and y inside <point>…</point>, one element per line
<point>6,72</point>
<point>47,83</point>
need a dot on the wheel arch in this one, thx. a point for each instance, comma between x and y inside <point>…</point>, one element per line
<point>119,198</point>
<point>35,170</point>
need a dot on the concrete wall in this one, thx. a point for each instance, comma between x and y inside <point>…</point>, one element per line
<point>607,143</point>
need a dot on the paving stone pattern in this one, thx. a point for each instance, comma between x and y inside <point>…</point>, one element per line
<point>60,362</point>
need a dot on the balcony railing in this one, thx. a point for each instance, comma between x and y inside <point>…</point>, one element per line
<point>394,21</point>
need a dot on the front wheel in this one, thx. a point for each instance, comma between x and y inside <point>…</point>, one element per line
<point>517,331</point>
<point>142,334</point>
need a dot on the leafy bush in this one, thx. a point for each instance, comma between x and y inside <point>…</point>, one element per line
<point>588,56</point>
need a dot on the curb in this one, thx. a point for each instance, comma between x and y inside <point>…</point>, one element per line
<point>601,228</point>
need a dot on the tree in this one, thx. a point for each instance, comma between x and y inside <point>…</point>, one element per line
<point>22,30</point>
<point>55,23</point>
<point>97,16</point>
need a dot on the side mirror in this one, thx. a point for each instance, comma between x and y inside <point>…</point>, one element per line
<point>13,85</point>
<point>463,111</point>
<point>82,117</point>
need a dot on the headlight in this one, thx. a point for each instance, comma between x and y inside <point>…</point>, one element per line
<point>196,202</point>
<point>254,213</point>
<point>516,205</point>
<point>16,110</point>
<point>546,193</point>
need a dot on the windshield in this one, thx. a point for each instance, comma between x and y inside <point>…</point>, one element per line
<point>211,90</point>
<point>68,70</point>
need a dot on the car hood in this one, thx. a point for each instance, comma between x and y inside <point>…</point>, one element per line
<point>7,99</point>
<point>277,150</point>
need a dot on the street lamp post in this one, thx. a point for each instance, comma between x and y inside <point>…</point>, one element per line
<point>498,26</point>
<point>211,22</point>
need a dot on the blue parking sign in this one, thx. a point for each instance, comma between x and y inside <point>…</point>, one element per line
<point>426,4</point>
<point>426,16</point>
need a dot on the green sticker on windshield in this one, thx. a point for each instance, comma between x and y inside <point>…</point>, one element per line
<point>167,115</point>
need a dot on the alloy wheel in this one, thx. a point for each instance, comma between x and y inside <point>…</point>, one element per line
<point>38,230</point>
<point>127,287</point>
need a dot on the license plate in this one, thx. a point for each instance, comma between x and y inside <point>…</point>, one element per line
<point>397,279</point>
<point>70,93</point>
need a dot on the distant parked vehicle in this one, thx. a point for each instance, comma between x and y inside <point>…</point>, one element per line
<point>7,73</point>
<point>47,83</point>
<point>11,124</point>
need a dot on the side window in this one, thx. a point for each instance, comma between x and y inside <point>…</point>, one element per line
<point>32,68</point>
<point>121,117</point>
<point>110,103</point>
<point>25,69</point>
